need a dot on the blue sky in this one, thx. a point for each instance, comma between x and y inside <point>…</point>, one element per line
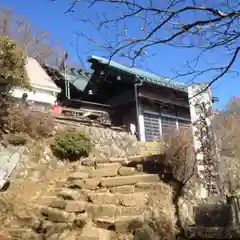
<point>51,17</point>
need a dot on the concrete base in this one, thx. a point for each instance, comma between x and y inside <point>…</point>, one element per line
<point>213,221</point>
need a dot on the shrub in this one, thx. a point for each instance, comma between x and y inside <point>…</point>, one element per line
<point>17,139</point>
<point>227,130</point>
<point>179,154</point>
<point>71,144</point>
<point>154,229</point>
<point>23,120</point>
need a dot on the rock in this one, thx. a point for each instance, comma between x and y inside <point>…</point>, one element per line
<point>58,203</point>
<point>134,211</point>
<point>139,167</point>
<point>99,210</point>
<point>104,198</point>
<point>102,160</point>
<point>144,186</point>
<point>24,234</point>
<point>107,165</point>
<point>78,175</point>
<point>124,171</point>
<point>68,235</point>
<point>135,199</point>
<point>88,162</point>
<point>136,159</point>
<point>81,220</point>
<point>92,233</point>
<point>122,189</point>
<point>91,183</point>
<point>52,227</point>
<point>58,216</point>
<point>75,206</point>
<point>104,172</point>
<point>128,180</point>
<point>117,160</point>
<point>69,194</point>
<point>35,175</point>
<point>47,200</point>
<point>82,169</point>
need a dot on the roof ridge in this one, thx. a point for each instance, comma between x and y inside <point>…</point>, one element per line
<point>151,77</point>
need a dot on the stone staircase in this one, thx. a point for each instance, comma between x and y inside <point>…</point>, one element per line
<point>99,201</point>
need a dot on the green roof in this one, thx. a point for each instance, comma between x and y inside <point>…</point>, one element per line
<point>141,74</point>
<point>78,78</point>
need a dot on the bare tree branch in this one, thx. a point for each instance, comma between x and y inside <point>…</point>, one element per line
<point>140,26</point>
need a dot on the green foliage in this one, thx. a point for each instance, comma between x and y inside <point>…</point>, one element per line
<point>12,62</point>
<point>71,144</point>
<point>17,139</point>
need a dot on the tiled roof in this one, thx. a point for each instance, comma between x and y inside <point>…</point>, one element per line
<point>79,78</point>
<point>141,74</point>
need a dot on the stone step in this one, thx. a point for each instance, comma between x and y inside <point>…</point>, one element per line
<point>104,172</point>
<point>128,180</point>
<point>125,171</point>
<point>120,224</point>
<point>57,216</point>
<point>22,233</point>
<point>108,165</point>
<point>110,160</point>
<point>132,199</point>
<point>91,183</point>
<point>136,159</point>
<point>83,169</point>
<point>78,175</point>
<point>125,189</point>
<point>69,194</point>
<point>112,211</point>
<point>69,206</point>
<point>46,200</point>
<point>93,233</point>
<point>142,186</point>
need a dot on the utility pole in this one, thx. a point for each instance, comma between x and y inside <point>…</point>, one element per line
<point>67,85</point>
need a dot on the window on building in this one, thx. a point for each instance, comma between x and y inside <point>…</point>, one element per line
<point>183,124</point>
<point>157,126</point>
<point>152,127</point>
<point>168,124</point>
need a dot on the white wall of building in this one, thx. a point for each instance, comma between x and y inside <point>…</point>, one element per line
<point>141,127</point>
<point>37,95</point>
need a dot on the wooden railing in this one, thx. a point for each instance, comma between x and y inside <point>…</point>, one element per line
<point>89,117</point>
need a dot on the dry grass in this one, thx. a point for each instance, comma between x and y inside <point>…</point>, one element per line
<point>179,154</point>
<point>23,120</point>
<point>227,129</point>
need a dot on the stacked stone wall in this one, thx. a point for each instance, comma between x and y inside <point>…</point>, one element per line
<point>100,200</point>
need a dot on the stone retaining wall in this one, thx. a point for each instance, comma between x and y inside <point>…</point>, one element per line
<point>113,143</point>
